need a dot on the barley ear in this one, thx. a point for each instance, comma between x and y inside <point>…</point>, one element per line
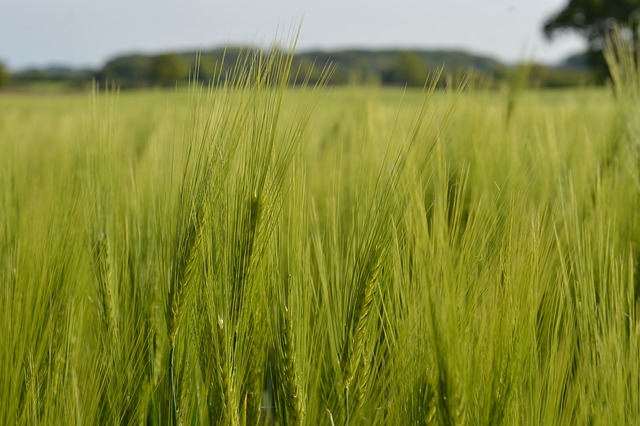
<point>459,411</point>
<point>353,352</point>
<point>288,372</point>
<point>246,252</point>
<point>226,399</point>
<point>184,271</point>
<point>430,404</point>
<point>182,274</point>
<point>102,271</point>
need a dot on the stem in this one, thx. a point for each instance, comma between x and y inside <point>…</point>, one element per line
<point>174,404</point>
<point>347,422</point>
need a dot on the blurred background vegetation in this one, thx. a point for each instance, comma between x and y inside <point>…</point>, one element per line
<point>352,67</point>
<point>593,20</point>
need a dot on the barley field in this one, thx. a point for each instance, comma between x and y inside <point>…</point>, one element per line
<point>251,253</point>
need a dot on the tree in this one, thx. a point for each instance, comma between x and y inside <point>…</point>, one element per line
<point>4,75</point>
<point>593,20</point>
<point>207,69</point>
<point>167,69</point>
<point>126,71</point>
<point>306,71</point>
<point>408,69</point>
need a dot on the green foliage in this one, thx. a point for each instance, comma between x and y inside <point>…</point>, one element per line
<point>367,68</point>
<point>126,71</point>
<point>306,73</point>
<point>263,254</point>
<point>5,76</point>
<point>594,20</point>
<point>348,66</point>
<point>408,69</point>
<point>168,69</point>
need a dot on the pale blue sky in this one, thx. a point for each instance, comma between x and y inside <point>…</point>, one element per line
<point>88,32</point>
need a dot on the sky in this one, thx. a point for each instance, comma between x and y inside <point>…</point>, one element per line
<point>87,33</point>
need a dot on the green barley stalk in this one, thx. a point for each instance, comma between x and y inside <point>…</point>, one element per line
<point>183,274</point>
<point>287,371</point>
<point>227,400</point>
<point>354,349</point>
<point>106,290</point>
<point>30,410</point>
<point>354,359</point>
<point>246,248</point>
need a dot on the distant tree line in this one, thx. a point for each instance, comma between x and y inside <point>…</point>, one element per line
<point>5,77</point>
<point>346,67</point>
<point>594,20</point>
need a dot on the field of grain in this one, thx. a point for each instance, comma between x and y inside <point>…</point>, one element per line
<point>259,254</point>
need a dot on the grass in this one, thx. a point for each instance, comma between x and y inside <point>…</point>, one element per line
<point>251,253</point>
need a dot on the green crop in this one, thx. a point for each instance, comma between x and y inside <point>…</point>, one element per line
<point>253,253</point>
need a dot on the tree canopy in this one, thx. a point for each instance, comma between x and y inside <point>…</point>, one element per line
<point>168,68</point>
<point>593,20</point>
<point>407,69</point>
<point>4,75</point>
